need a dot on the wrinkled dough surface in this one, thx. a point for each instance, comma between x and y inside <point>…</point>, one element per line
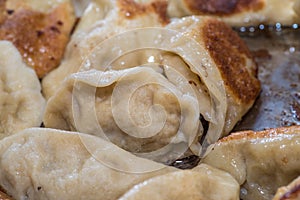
<point>100,20</point>
<point>41,163</point>
<point>137,115</point>
<point>204,182</point>
<point>21,102</point>
<point>260,161</point>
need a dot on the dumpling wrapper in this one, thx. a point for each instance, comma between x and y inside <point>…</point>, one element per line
<point>21,102</point>
<point>101,20</point>
<point>40,163</point>
<point>203,182</point>
<point>39,29</point>
<point>240,13</point>
<point>289,192</point>
<point>138,109</point>
<point>223,82</point>
<point>260,161</point>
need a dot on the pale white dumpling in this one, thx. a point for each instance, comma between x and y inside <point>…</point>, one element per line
<point>21,102</point>
<point>40,163</point>
<point>203,182</point>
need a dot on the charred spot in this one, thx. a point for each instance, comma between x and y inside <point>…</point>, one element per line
<point>54,29</point>
<point>60,23</point>
<point>39,33</point>
<point>39,188</point>
<point>10,12</point>
<point>191,82</point>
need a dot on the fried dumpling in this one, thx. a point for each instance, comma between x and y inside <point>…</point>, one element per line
<point>40,163</point>
<point>214,69</point>
<point>21,102</point>
<point>139,116</point>
<point>289,192</point>
<point>101,20</point>
<point>260,161</point>
<point>39,29</point>
<point>204,183</point>
<point>238,12</point>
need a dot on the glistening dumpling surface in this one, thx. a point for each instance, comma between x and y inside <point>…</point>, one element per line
<point>204,182</point>
<point>41,163</point>
<point>21,102</point>
<point>201,57</point>
<point>101,20</point>
<point>239,12</point>
<point>260,161</point>
<point>137,115</point>
<point>39,29</point>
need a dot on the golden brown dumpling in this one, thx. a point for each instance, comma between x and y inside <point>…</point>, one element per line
<point>260,161</point>
<point>39,29</point>
<point>239,12</point>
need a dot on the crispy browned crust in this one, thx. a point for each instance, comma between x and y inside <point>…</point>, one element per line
<point>230,54</point>
<point>4,196</point>
<point>41,38</point>
<point>261,134</point>
<point>290,192</point>
<point>223,7</point>
<point>2,11</point>
<point>130,9</point>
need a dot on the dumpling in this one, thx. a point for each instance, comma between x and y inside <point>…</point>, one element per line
<point>260,161</point>
<point>140,116</point>
<point>289,192</point>
<point>204,183</point>
<point>40,163</point>
<point>238,12</point>
<point>39,29</point>
<point>101,20</point>
<point>21,102</point>
<point>214,71</point>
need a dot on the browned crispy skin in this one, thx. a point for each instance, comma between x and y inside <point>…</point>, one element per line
<point>223,7</point>
<point>261,134</point>
<point>4,196</point>
<point>292,194</point>
<point>41,38</point>
<point>230,53</point>
<point>2,11</point>
<point>130,9</point>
